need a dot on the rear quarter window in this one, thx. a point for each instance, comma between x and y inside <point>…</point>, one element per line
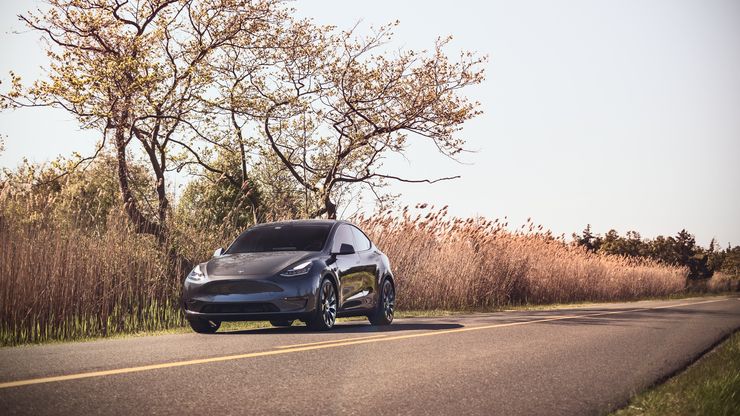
<point>362,243</point>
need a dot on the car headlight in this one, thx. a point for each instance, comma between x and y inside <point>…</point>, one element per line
<point>196,275</point>
<point>298,269</point>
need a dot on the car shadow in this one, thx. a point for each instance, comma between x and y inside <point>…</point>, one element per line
<point>347,328</point>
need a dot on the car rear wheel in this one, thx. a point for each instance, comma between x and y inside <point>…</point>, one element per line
<point>204,326</point>
<point>281,323</point>
<point>326,311</point>
<point>384,311</point>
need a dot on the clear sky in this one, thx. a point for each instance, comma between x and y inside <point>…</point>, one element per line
<point>622,114</point>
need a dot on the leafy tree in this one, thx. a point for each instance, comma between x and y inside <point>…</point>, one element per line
<point>730,261</point>
<point>588,240</point>
<point>177,84</point>
<point>680,250</point>
<point>629,245</point>
<point>210,202</point>
<point>663,249</point>
<point>66,192</point>
<point>684,247</point>
<point>134,70</point>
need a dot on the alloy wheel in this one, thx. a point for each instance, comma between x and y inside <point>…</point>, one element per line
<point>328,304</point>
<point>389,300</point>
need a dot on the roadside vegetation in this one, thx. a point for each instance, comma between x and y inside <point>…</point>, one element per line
<point>62,278</point>
<point>270,117</point>
<point>708,387</point>
<point>454,263</point>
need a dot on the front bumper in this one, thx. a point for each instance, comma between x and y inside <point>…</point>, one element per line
<point>251,298</point>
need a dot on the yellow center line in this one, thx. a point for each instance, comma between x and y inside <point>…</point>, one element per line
<point>340,343</point>
<point>331,341</point>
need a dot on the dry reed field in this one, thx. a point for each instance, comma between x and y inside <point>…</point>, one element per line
<point>58,282</point>
<point>453,263</point>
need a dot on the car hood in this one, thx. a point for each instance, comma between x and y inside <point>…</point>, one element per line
<point>253,264</point>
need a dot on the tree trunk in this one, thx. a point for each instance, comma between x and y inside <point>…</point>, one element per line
<point>141,223</point>
<point>331,207</point>
<point>163,203</point>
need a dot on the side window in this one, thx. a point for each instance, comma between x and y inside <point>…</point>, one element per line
<point>362,243</point>
<point>343,235</point>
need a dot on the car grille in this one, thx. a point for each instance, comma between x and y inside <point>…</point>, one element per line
<point>254,307</point>
<point>231,287</point>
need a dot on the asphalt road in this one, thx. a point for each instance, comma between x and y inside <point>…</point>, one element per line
<point>586,360</point>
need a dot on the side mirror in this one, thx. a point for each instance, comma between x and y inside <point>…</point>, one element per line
<point>346,249</point>
<point>219,252</point>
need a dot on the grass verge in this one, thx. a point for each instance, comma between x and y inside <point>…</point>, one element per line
<point>711,386</point>
<point>432,313</point>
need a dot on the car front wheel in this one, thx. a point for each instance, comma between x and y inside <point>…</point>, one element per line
<point>326,311</point>
<point>204,326</point>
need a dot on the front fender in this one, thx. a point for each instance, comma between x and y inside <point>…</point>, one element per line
<point>384,270</point>
<point>328,270</point>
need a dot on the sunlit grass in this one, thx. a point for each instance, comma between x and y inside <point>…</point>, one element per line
<point>711,386</point>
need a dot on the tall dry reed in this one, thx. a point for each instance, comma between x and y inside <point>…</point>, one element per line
<point>452,263</point>
<point>63,283</point>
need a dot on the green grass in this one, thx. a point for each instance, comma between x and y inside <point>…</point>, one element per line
<point>711,386</point>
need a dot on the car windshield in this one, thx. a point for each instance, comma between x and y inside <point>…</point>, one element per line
<point>290,237</point>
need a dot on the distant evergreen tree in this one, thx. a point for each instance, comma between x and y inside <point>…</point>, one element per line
<point>587,239</point>
<point>679,250</point>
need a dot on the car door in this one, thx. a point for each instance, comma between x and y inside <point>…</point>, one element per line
<point>348,272</point>
<point>367,263</point>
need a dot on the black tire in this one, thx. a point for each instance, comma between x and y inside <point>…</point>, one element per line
<point>383,314</point>
<point>281,323</point>
<point>204,326</point>
<point>326,309</point>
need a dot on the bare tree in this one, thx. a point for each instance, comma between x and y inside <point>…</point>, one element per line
<point>332,105</point>
<point>181,83</point>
